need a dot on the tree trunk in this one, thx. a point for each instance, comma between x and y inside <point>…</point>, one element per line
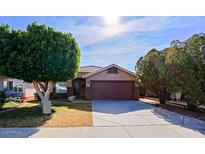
<point>162,97</point>
<point>43,91</point>
<point>192,106</point>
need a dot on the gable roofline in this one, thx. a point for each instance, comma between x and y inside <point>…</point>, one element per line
<point>90,66</point>
<point>109,66</point>
<point>88,69</point>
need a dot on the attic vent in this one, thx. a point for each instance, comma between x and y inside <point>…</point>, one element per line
<point>112,70</point>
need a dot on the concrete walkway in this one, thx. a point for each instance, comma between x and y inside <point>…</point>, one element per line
<point>156,131</point>
<point>122,119</point>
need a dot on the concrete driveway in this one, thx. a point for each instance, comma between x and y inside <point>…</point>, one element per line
<point>143,120</point>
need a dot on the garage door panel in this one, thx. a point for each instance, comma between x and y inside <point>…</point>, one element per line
<point>112,89</point>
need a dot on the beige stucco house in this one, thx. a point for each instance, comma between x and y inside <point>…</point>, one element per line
<point>111,82</point>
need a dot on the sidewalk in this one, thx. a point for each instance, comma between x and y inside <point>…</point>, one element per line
<point>154,131</point>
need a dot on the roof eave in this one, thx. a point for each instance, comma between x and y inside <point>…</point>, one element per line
<point>104,68</point>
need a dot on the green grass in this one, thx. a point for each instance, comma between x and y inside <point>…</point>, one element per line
<point>27,114</point>
<point>11,105</point>
<point>30,115</point>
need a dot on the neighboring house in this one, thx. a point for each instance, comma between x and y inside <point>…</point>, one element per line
<point>17,88</point>
<point>111,82</point>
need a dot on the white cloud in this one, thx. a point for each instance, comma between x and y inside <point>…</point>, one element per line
<point>145,24</point>
<point>112,30</point>
<point>113,42</point>
<point>95,31</point>
<point>122,51</point>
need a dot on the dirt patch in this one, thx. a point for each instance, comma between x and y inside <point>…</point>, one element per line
<point>71,115</point>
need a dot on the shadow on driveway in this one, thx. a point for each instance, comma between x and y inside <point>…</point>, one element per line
<point>179,119</point>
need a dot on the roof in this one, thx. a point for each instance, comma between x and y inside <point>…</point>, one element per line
<point>109,66</point>
<point>89,69</point>
<point>2,77</point>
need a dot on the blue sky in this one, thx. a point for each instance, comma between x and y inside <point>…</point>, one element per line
<point>119,40</point>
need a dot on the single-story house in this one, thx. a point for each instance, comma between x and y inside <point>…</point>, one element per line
<point>111,82</point>
<point>92,82</point>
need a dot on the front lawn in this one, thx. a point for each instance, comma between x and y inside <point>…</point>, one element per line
<point>30,115</point>
<point>12,105</point>
<point>8,105</point>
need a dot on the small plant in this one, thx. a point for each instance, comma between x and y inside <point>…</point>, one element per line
<point>2,100</point>
<point>2,94</point>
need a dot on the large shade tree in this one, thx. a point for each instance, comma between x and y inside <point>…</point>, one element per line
<point>188,68</point>
<point>40,55</point>
<point>181,67</point>
<point>152,73</point>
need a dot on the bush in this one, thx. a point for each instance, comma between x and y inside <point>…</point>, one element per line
<point>2,100</point>
<point>54,95</point>
<point>14,99</point>
<point>2,94</point>
<point>36,96</point>
<point>2,97</point>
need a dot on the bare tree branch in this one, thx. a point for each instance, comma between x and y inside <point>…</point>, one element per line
<point>37,89</point>
<point>42,87</point>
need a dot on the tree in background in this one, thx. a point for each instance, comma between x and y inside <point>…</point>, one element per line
<point>40,55</point>
<point>188,61</point>
<point>152,73</point>
<point>181,67</point>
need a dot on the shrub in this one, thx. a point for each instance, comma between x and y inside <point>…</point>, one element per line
<point>2,94</point>
<point>2,100</point>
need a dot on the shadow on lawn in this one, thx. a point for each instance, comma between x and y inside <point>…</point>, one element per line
<point>22,122</point>
<point>24,117</point>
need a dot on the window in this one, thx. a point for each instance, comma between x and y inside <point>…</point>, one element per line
<point>20,89</point>
<point>14,87</point>
<point>10,85</point>
<point>61,87</point>
<point>112,70</point>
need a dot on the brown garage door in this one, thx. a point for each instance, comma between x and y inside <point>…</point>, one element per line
<point>112,89</point>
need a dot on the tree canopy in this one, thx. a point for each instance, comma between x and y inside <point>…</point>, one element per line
<point>152,73</point>
<point>188,60</point>
<point>40,55</point>
<point>180,67</point>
